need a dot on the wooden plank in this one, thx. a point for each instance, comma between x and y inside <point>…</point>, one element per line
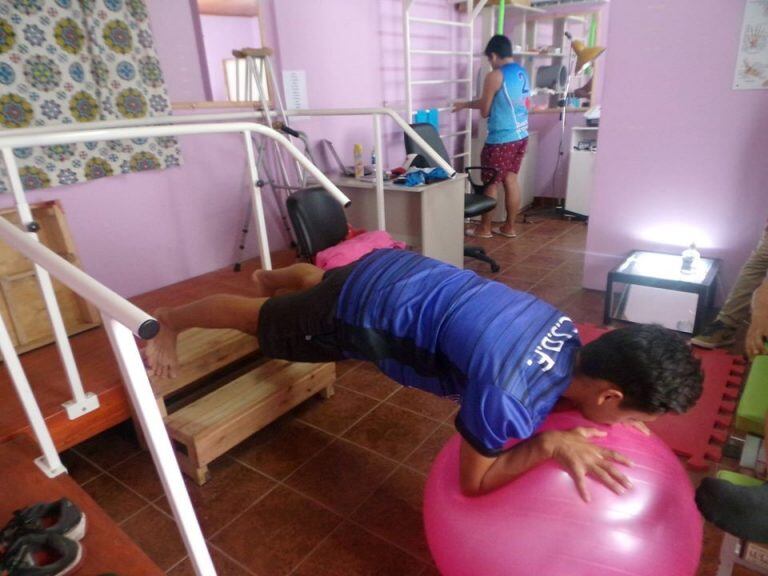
<point>23,307</point>
<point>210,409</point>
<point>107,548</point>
<point>218,422</point>
<point>290,392</point>
<point>202,352</point>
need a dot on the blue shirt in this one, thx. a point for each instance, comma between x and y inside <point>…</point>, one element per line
<point>505,355</point>
<point>508,121</point>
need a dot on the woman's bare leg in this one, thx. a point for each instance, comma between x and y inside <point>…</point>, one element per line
<point>290,279</point>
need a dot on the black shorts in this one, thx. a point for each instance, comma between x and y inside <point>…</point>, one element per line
<point>302,327</point>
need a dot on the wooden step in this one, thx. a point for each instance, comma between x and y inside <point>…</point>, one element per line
<point>208,427</point>
<point>107,549</point>
<point>202,352</point>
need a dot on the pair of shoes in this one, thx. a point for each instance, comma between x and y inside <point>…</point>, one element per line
<point>43,540</point>
<point>499,232</point>
<point>472,233</point>
<point>716,335</point>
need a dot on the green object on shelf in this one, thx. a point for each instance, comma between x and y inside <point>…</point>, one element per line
<point>750,415</point>
<point>738,479</point>
<point>500,21</point>
<point>592,39</point>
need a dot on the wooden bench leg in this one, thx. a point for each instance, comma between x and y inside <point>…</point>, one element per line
<point>200,474</point>
<point>328,392</point>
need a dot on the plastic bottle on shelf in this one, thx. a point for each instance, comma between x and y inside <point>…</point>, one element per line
<point>691,258</point>
<point>359,167</point>
<point>373,161</point>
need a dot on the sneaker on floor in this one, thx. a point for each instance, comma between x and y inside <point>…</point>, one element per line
<point>61,517</point>
<point>716,335</point>
<point>41,554</point>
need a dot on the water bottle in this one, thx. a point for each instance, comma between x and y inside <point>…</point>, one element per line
<point>691,259</point>
<point>359,168</point>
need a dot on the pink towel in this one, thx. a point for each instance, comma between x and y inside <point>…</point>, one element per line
<point>355,248</point>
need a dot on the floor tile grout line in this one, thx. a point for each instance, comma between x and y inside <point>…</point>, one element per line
<point>130,516</point>
<point>230,558</point>
<point>387,401</point>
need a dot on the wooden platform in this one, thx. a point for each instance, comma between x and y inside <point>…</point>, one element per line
<point>98,368</point>
<point>106,547</point>
<point>205,429</point>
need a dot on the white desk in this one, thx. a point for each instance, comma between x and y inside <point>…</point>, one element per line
<point>430,218</point>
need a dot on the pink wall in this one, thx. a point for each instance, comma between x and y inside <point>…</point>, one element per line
<point>221,35</point>
<point>682,156</point>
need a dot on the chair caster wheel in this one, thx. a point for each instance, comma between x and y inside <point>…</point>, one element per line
<point>495,268</point>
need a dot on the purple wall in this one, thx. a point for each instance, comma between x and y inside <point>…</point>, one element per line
<point>682,156</point>
<point>221,35</point>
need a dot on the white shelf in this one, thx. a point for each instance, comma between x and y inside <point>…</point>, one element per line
<point>530,54</point>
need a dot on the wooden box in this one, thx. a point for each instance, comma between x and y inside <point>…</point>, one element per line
<point>21,301</point>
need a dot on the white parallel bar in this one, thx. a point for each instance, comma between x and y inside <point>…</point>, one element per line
<point>407,56</point>
<point>258,211</point>
<point>20,139</point>
<point>380,207</point>
<point>81,402</point>
<point>49,462</point>
<point>439,22</point>
<point>434,82</point>
<point>140,323</point>
<point>455,134</point>
<point>442,52</point>
<point>145,407</point>
<point>460,155</point>
<point>230,122</point>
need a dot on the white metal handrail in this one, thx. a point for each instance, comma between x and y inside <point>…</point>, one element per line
<point>106,300</point>
<point>82,402</point>
<point>122,320</point>
<point>20,140</point>
<point>233,117</point>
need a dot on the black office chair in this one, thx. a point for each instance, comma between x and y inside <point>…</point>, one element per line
<point>318,220</point>
<point>476,203</point>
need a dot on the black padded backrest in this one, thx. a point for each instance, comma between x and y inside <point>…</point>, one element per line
<point>318,220</point>
<point>431,136</point>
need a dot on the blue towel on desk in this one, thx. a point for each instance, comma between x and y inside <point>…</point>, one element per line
<point>422,176</point>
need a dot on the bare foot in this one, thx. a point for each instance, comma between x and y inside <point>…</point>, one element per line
<point>261,280</point>
<point>160,352</point>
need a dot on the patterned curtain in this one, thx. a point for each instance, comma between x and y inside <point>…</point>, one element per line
<point>76,61</point>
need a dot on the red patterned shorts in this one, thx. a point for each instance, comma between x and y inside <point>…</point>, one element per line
<point>504,158</point>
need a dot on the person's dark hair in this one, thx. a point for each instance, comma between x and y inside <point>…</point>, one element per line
<point>499,45</point>
<point>652,365</point>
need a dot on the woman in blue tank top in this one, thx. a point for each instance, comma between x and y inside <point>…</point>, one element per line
<point>504,102</point>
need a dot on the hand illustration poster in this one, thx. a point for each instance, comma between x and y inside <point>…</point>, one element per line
<point>752,60</point>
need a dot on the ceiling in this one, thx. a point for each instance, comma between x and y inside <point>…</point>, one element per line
<point>229,7</point>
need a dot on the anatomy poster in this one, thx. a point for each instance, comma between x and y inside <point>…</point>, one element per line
<point>752,61</point>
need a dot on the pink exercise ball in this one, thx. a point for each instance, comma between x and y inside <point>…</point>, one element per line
<point>539,526</point>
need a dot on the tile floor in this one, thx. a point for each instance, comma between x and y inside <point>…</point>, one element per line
<point>335,487</point>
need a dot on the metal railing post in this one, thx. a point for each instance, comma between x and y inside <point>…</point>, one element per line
<point>49,462</point>
<point>380,203</point>
<point>151,421</point>
<point>258,206</point>
<point>81,402</point>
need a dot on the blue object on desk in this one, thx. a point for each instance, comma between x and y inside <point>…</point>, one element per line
<point>427,116</point>
<point>423,176</point>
